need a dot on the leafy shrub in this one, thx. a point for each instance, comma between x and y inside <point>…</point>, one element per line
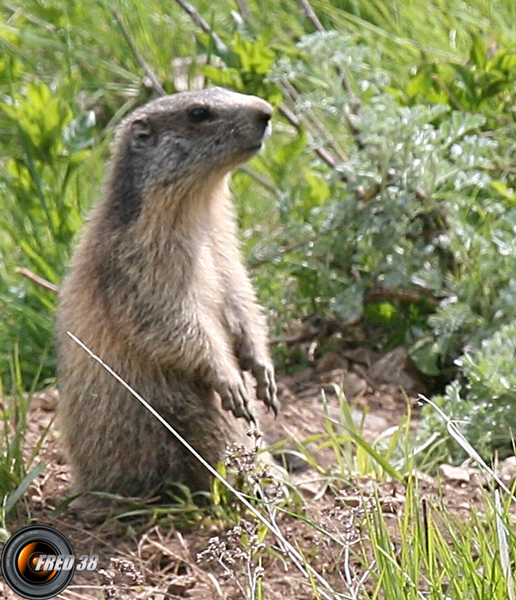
<point>423,201</point>
<point>41,205</point>
<point>387,196</point>
<point>485,403</point>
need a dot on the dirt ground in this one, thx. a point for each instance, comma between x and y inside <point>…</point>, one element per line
<point>148,558</point>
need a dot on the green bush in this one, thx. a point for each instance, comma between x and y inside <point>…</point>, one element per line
<point>41,204</point>
<point>485,403</point>
<point>387,194</point>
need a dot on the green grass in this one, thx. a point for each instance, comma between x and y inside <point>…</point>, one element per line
<point>17,469</point>
<point>379,533</point>
<point>415,120</point>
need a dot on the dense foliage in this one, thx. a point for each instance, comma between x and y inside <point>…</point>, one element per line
<point>387,194</point>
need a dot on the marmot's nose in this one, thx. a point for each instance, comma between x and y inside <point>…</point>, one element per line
<point>263,119</point>
<point>263,114</point>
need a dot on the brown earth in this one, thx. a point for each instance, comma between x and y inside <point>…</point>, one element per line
<point>149,558</point>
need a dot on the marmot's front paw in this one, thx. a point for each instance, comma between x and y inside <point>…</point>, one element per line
<point>266,384</point>
<point>234,398</point>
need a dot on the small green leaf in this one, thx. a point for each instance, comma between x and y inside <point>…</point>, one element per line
<point>478,52</point>
<point>425,355</point>
<point>13,498</point>
<point>504,190</point>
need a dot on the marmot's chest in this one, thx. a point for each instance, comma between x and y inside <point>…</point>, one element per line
<point>208,279</point>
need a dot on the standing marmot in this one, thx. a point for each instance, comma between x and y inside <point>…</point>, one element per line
<point>157,289</point>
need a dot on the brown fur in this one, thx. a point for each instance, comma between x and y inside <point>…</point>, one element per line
<point>157,289</point>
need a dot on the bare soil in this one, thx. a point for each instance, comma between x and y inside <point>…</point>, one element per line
<point>155,560</point>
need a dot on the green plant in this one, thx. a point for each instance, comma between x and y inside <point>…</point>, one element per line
<point>386,194</point>
<point>484,404</point>
<point>17,469</point>
<point>41,207</point>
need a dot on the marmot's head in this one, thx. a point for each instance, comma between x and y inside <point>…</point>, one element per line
<point>182,141</point>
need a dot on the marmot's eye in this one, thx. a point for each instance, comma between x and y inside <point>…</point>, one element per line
<point>199,114</point>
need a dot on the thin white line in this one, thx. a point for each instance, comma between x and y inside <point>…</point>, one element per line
<point>295,556</point>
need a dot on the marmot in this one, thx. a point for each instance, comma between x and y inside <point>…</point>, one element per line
<point>157,289</point>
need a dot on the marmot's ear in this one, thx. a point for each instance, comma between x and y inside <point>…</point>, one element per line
<point>141,134</point>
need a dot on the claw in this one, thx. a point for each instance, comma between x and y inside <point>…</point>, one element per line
<point>238,411</point>
<point>273,398</point>
<point>226,403</point>
<point>266,389</point>
<point>275,408</point>
<point>234,400</point>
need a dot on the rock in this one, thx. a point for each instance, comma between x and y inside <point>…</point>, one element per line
<point>180,584</point>
<point>354,386</point>
<point>362,356</point>
<point>391,368</point>
<point>455,474</point>
<point>46,400</point>
<point>330,362</point>
<point>507,470</point>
